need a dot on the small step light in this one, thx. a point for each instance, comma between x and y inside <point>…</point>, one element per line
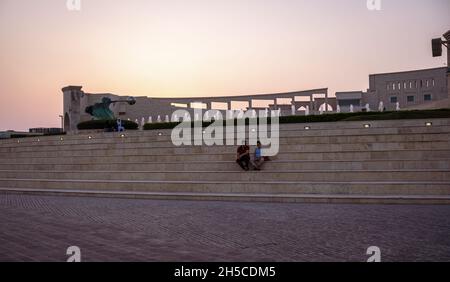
<point>428,124</point>
<point>367,125</point>
<point>307,127</point>
<point>62,139</point>
<point>122,135</point>
<point>89,137</point>
<point>159,133</point>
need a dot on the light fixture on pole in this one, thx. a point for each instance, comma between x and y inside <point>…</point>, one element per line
<point>436,46</point>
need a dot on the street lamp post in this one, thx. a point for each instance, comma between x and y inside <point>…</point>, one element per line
<point>436,45</point>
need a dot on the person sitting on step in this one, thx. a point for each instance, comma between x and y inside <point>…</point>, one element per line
<point>259,159</point>
<point>243,156</point>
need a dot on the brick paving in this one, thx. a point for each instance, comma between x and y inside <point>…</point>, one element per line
<point>41,228</point>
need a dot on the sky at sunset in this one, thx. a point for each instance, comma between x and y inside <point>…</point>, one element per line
<point>203,48</point>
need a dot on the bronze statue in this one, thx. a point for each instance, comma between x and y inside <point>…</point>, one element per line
<point>102,111</point>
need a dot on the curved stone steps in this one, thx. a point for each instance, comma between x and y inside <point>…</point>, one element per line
<point>431,154</point>
<point>390,162</point>
<point>254,197</point>
<point>332,129</point>
<point>223,175</point>
<point>427,188</point>
<point>126,143</point>
<point>311,148</point>
<point>273,165</point>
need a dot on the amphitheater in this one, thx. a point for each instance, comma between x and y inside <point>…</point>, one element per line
<point>398,162</point>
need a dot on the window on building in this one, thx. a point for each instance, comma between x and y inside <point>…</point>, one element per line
<point>427,97</point>
<point>421,83</point>
<point>410,84</point>
<point>393,86</point>
<point>399,86</point>
<point>404,85</point>
<point>394,99</point>
<point>415,84</point>
<point>428,83</point>
<point>410,99</point>
<point>433,82</point>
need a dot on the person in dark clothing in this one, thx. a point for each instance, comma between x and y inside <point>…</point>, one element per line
<point>243,156</point>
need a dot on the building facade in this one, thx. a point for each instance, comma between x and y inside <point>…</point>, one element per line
<point>403,89</point>
<point>408,88</point>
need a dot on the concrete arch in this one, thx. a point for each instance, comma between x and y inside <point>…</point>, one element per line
<point>326,106</point>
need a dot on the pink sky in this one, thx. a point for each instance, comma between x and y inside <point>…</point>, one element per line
<point>203,48</point>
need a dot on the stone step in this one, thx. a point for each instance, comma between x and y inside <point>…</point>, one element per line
<point>147,136</point>
<point>322,141</point>
<point>127,143</point>
<point>338,155</point>
<point>250,176</point>
<point>383,164</point>
<point>385,188</point>
<point>248,197</point>
<point>364,147</point>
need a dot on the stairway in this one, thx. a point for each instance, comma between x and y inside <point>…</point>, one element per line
<point>338,162</point>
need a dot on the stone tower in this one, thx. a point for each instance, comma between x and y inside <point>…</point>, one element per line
<point>74,104</point>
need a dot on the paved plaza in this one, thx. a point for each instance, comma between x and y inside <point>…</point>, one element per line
<point>41,228</point>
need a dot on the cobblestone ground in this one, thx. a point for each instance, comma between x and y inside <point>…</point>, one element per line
<point>41,228</point>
